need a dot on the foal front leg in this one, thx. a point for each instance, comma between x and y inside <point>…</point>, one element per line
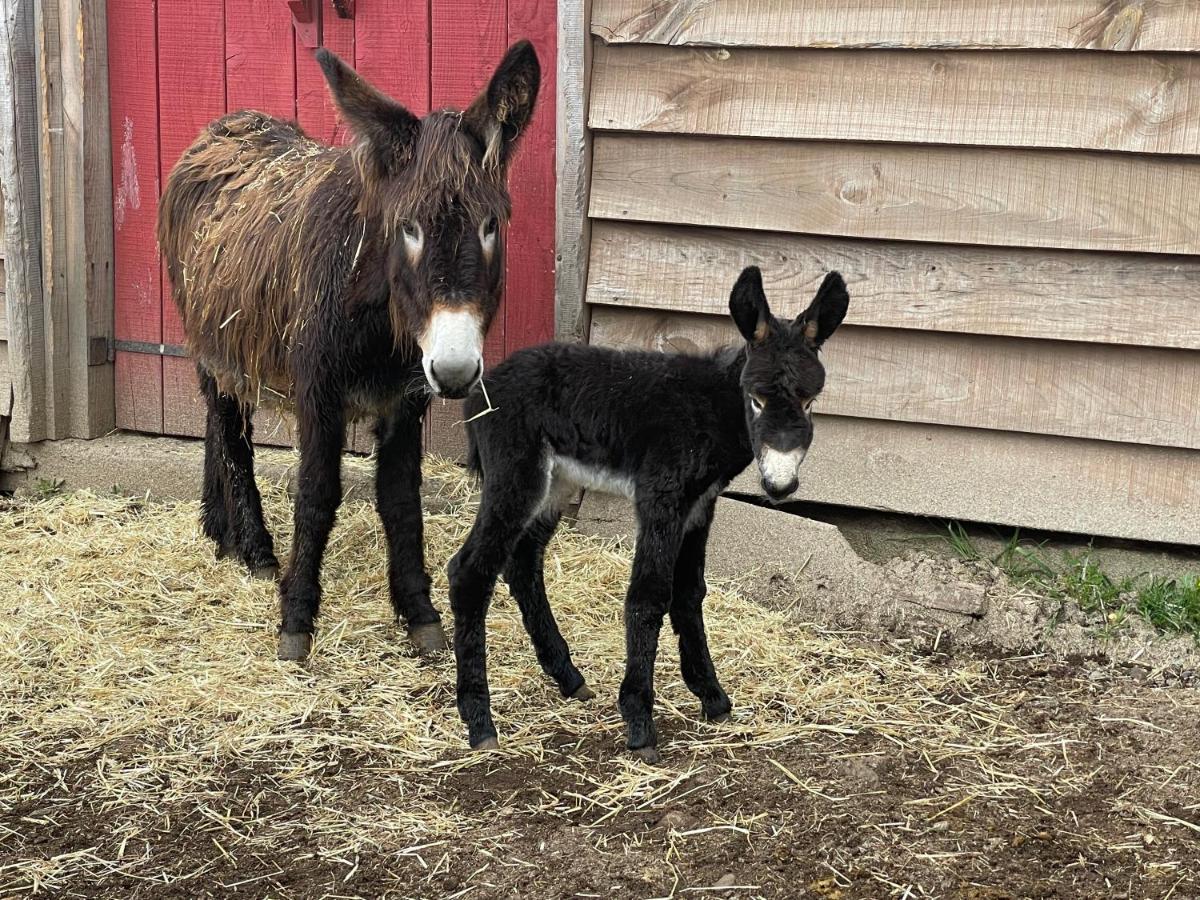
<point>398,500</point>
<point>322,432</point>
<point>646,603</point>
<point>687,619</point>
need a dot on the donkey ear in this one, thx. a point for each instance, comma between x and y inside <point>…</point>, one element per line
<point>386,130</point>
<point>499,115</point>
<point>826,312</point>
<point>748,305</point>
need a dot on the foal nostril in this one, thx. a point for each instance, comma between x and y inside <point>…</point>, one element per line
<point>454,381</point>
<point>778,494</point>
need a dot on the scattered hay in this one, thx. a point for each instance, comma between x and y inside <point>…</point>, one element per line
<point>140,692</point>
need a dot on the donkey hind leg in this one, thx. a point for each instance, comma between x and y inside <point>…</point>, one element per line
<point>398,500</point>
<point>507,505</point>
<point>322,433</point>
<point>646,603</point>
<point>525,577</point>
<point>687,620</point>
<point>232,508</point>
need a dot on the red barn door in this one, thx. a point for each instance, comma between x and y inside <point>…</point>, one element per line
<point>175,66</point>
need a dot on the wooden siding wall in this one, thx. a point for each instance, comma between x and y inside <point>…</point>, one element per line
<point>1011,191</point>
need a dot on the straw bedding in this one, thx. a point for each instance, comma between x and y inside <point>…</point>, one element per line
<point>149,739</point>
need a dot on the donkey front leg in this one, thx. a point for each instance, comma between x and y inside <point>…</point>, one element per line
<point>398,500</point>
<point>646,603</point>
<point>687,619</point>
<point>322,431</point>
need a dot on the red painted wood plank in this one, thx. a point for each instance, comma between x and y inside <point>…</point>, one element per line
<point>469,38</point>
<point>184,409</point>
<point>314,107</point>
<point>191,93</point>
<point>529,302</point>
<point>133,108</point>
<point>391,49</point>
<point>260,57</point>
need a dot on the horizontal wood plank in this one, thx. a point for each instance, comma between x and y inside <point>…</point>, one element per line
<point>1139,299</point>
<point>961,24</point>
<point>1129,102</point>
<point>1030,198</point>
<point>1126,394</point>
<point>1022,480</point>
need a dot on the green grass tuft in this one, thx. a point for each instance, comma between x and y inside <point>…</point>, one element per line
<point>1170,605</point>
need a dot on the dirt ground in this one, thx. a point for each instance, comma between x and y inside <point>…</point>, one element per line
<point>151,747</point>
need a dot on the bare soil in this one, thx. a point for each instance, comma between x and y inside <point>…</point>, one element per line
<point>1070,776</point>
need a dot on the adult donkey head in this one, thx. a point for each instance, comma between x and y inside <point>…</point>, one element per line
<point>437,187</point>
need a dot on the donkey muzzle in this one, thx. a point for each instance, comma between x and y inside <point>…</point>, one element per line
<point>780,472</point>
<point>452,350</point>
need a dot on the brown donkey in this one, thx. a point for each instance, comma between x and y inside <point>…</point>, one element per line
<point>340,282</point>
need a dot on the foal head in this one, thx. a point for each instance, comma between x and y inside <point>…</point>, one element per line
<point>783,375</point>
<point>438,188</point>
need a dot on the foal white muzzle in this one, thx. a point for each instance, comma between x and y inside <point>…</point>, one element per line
<point>452,351</point>
<point>780,471</point>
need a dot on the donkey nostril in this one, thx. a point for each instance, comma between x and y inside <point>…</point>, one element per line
<point>454,381</point>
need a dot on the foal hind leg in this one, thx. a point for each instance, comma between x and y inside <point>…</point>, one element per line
<point>507,504</point>
<point>229,484</point>
<point>525,577</point>
<point>687,620</point>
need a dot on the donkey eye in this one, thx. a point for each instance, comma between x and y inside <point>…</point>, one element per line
<point>489,227</point>
<point>412,232</point>
<point>806,405</point>
<point>756,404</point>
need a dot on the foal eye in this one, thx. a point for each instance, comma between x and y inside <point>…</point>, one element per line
<point>806,405</point>
<point>757,404</point>
<point>489,227</point>
<point>412,232</point>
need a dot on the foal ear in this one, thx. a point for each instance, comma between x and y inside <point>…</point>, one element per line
<point>386,131</point>
<point>748,305</point>
<point>499,115</point>
<point>826,312</point>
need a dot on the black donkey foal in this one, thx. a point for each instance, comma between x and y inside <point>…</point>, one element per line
<point>667,431</point>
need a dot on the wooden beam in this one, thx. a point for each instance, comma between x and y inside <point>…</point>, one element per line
<point>572,226</point>
<point>942,24</point>
<point>1030,198</point>
<point>86,205</point>
<point>1021,480</point>
<point>1127,394</point>
<point>1110,298</point>
<point>22,219</point>
<point>1127,102</point>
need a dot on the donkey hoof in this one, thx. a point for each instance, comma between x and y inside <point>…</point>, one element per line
<point>428,638</point>
<point>719,717</point>
<point>294,647</point>
<point>269,572</point>
<point>488,743</point>
<point>583,692</point>
<point>223,551</point>
<point>648,755</point>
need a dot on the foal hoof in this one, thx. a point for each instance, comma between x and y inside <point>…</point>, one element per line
<point>428,638</point>
<point>489,743</point>
<point>583,692</point>
<point>719,717</point>
<point>648,755</point>
<point>268,572</point>
<point>294,647</point>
